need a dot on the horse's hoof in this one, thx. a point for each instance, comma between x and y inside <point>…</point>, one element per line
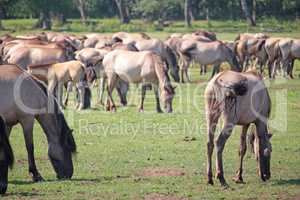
<point>159,111</point>
<point>141,110</point>
<point>238,180</point>
<point>113,110</point>
<point>37,178</point>
<point>210,182</point>
<point>225,185</point>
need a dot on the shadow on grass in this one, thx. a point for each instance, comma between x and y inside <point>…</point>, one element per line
<point>24,194</point>
<point>288,182</point>
<point>84,180</point>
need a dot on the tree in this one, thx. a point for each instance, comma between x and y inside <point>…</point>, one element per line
<point>246,11</point>
<point>81,6</point>
<point>187,13</point>
<point>254,10</point>
<point>123,11</point>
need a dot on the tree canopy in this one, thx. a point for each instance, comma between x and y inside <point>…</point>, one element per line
<point>150,10</point>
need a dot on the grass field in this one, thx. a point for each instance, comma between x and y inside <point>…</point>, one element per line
<point>118,152</point>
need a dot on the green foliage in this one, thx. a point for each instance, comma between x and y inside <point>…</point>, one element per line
<point>157,9</point>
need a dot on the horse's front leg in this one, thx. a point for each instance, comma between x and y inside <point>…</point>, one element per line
<point>216,69</point>
<point>81,92</point>
<point>242,151</point>
<point>290,69</point>
<point>144,88</point>
<point>187,75</point>
<point>220,143</point>
<point>158,108</point>
<point>101,90</point>
<point>27,125</point>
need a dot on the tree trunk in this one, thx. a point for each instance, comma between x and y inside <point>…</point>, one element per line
<point>2,16</point>
<point>123,12</point>
<point>245,9</point>
<point>44,21</point>
<point>81,8</point>
<point>207,13</point>
<point>187,10</point>
<point>254,10</point>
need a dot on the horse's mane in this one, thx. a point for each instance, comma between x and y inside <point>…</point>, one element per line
<point>4,142</point>
<point>145,36</point>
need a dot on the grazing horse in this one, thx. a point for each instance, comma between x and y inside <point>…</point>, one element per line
<point>242,99</point>
<point>6,157</point>
<point>60,74</point>
<point>290,51</point>
<point>207,53</point>
<point>138,67</point>
<point>26,100</point>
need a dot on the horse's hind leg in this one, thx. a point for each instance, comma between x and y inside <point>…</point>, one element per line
<point>111,83</point>
<point>216,69</point>
<point>187,75</point>
<point>212,121</point>
<point>144,88</point>
<point>242,151</point>
<point>220,143</point>
<point>158,108</point>
<point>69,89</point>
<point>27,125</point>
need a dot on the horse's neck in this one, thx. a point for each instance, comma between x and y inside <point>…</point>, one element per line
<point>49,124</point>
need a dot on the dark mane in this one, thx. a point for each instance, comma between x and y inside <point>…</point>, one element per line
<point>4,143</point>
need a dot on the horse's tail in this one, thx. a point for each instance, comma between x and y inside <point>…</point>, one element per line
<point>238,88</point>
<point>4,142</point>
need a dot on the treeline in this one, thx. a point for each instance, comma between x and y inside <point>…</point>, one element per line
<point>148,10</point>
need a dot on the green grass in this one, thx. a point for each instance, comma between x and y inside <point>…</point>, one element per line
<point>113,25</point>
<point>114,148</point>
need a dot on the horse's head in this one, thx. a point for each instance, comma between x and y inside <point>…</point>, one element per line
<point>60,153</point>
<point>172,60</point>
<point>232,60</point>
<point>167,97</point>
<point>263,156</point>
<point>6,157</point>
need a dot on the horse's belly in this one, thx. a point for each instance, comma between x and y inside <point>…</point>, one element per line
<point>205,59</point>
<point>129,74</point>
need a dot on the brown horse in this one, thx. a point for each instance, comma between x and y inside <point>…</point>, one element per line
<point>6,157</point>
<point>242,99</point>
<point>25,100</point>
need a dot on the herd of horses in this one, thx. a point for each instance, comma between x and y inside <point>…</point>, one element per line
<point>35,69</point>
